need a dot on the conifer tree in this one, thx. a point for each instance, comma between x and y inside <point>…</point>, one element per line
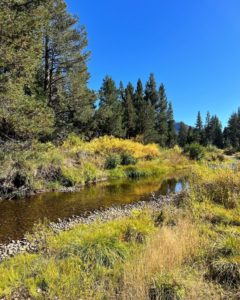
<point>171,133</point>
<point>110,113</point>
<point>63,75</point>
<point>233,130</point>
<point>151,94</point>
<point>151,102</point>
<point>190,135</point>
<point>121,92</point>
<point>207,130</point>
<point>23,114</point>
<point>140,107</point>
<point>198,131</point>
<point>129,117</point>
<point>149,132</point>
<point>162,117</point>
<point>216,132</point>
<point>182,135</point>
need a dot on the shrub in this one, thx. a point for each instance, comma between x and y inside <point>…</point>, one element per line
<point>133,172</point>
<point>195,151</point>
<point>228,247</point>
<point>89,172</point>
<point>165,217</point>
<point>112,161</point>
<point>71,176</point>
<point>226,271</point>
<point>107,144</point>
<point>128,159</point>
<point>166,288</point>
<point>221,186</point>
<point>230,151</point>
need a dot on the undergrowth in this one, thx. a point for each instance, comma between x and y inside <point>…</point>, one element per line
<point>33,167</point>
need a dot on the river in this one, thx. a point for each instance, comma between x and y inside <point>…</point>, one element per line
<point>19,216</point>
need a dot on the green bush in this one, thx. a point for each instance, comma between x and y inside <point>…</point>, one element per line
<point>133,172</point>
<point>166,287</point>
<point>226,271</point>
<point>195,151</point>
<point>128,159</point>
<point>112,161</point>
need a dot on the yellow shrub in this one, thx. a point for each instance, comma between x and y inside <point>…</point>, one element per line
<point>107,144</point>
<point>219,185</point>
<point>115,145</point>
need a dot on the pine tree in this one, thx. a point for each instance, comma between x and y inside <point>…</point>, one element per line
<point>121,92</point>
<point>190,135</point>
<point>64,74</point>
<point>171,134</point>
<point>23,114</point>
<point>207,130</point>
<point>151,101</point>
<point>129,117</point>
<point>216,132</point>
<point>151,94</point>
<point>110,113</point>
<point>149,132</point>
<point>79,109</point>
<point>140,107</point>
<point>162,117</point>
<point>182,134</point>
<point>233,130</point>
<point>198,131</point>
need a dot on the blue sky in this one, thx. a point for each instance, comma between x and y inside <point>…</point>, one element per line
<point>193,47</point>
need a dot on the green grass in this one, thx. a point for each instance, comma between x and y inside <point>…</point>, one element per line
<point>78,263</point>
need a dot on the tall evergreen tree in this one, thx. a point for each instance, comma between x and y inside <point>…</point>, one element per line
<point>151,94</point>
<point>129,117</point>
<point>121,91</point>
<point>64,74</point>
<point>233,129</point>
<point>207,130</point>
<point>150,134</point>
<point>110,113</point>
<point>216,135</point>
<point>162,117</point>
<point>171,133</point>
<point>23,114</point>
<point>190,135</point>
<point>151,102</point>
<point>140,107</point>
<point>198,130</point>
<point>182,134</point>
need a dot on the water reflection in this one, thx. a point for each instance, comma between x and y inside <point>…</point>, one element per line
<point>17,217</point>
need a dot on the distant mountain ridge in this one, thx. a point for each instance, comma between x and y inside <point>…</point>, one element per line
<point>177,126</point>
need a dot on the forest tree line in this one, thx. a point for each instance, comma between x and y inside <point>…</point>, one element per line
<point>44,91</point>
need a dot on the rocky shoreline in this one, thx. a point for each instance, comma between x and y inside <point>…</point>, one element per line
<point>32,245</point>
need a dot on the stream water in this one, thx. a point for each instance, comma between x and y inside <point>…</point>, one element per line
<point>19,216</point>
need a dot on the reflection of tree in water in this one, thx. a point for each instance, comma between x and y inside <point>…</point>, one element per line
<point>172,185</point>
<point>118,188</point>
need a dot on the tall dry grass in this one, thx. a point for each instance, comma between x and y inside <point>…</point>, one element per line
<point>166,253</point>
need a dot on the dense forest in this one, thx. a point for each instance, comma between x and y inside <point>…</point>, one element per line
<point>44,91</point>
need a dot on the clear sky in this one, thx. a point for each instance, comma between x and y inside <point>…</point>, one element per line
<point>192,46</point>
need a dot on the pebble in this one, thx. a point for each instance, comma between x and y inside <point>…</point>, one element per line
<point>24,245</point>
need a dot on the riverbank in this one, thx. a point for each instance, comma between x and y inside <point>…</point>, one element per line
<point>187,248</point>
<point>35,168</point>
<point>31,243</point>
